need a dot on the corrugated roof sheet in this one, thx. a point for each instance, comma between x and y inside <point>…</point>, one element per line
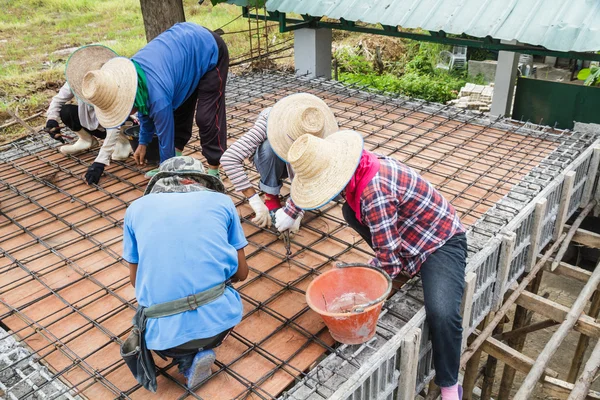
<point>560,25</point>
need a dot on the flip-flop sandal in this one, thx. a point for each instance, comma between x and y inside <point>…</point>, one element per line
<point>151,173</point>
<point>200,368</point>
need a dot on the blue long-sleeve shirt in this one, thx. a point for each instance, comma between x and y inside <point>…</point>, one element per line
<point>174,62</point>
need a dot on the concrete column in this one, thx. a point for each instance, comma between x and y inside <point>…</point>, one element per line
<point>312,52</point>
<point>504,85</point>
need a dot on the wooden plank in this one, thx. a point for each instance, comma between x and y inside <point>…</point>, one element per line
<point>591,178</point>
<point>467,303</point>
<point>571,319</point>
<point>565,199</point>
<point>559,389</point>
<point>512,357</point>
<point>568,270</point>
<point>557,312</point>
<point>536,233</point>
<point>409,361</point>
<point>587,238</point>
<point>506,251</point>
<point>519,332</point>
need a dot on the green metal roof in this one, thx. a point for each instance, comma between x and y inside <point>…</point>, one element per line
<point>559,25</point>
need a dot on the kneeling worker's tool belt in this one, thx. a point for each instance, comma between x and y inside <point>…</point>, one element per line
<point>134,350</point>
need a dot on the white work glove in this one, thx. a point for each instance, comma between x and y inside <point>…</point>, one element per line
<point>284,222</point>
<point>296,227</point>
<point>262,218</point>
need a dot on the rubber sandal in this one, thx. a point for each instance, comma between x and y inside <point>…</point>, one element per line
<point>200,368</point>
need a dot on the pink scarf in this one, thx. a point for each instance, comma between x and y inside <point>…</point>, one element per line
<point>367,168</point>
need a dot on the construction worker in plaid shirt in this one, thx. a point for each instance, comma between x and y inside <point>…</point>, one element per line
<point>404,219</point>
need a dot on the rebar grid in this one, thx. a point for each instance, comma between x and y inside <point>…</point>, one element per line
<point>64,286</point>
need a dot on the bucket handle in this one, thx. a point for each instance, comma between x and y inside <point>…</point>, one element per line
<point>361,307</point>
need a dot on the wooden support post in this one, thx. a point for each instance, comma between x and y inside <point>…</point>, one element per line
<point>565,199</point>
<point>472,367</point>
<point>506,251</point>
<point>591,178</point>
<point>536,233</point>
<point>490,370</point>
<point>520,320</point>
<point>467,304</point>
<point>582,386</point>
<point>584,341</point>
<point>551,347</point>
<point>409,360</point>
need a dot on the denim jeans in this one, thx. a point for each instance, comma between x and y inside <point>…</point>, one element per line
<point>443,278</point>
<point>271,168</point>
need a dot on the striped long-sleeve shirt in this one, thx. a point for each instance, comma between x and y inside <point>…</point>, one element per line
<point>244,148</point>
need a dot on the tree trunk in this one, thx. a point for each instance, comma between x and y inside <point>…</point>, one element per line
<point>160,15</point>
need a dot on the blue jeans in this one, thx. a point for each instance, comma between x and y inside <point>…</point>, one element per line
<point>271,168</point>
<point>443,278</point>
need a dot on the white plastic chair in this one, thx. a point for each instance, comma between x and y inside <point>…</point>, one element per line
<point>457,59</point>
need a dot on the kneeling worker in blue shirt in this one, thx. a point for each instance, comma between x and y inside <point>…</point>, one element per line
<point>182,268</point>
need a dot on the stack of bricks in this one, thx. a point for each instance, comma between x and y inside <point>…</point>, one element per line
<point>21,377</point>
<point>474,97</point>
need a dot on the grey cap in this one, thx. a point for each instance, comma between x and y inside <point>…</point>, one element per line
<point>174,174</point>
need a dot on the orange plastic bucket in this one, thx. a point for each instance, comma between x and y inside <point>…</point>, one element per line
<point>349,298</point>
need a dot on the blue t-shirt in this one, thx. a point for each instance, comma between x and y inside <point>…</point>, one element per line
<point>174,62</point>
<point>184,243</point>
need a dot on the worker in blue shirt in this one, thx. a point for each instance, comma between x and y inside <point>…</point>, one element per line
<point>181,71</point>
<point>182,269</point>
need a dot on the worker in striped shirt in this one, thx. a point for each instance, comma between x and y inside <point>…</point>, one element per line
<point>266,144</point>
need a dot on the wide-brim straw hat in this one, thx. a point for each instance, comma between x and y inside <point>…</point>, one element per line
<point>168,179</point>
<point>296,115</point>
<point>84,60</point>
<point>323,167</point>
<point>111,90</point>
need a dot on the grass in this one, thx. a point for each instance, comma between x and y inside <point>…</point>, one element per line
<point>36,35</point>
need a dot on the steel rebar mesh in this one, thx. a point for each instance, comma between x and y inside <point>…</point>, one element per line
<point>64,287</point>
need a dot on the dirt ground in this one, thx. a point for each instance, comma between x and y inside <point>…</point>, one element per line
<point>564,291</point>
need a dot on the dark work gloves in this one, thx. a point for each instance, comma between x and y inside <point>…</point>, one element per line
<point>94,172</point>
<point>53,130</point>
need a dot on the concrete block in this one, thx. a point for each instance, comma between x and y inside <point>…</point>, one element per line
<point>486,68</point>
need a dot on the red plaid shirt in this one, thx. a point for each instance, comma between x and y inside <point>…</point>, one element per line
<point>408,218</point>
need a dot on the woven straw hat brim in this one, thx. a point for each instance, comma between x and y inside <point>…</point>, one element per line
<point>124,73</point>
<point>283,123</point>
<point>206,180</point>
<point>340,155</point>
<point>83,60</point>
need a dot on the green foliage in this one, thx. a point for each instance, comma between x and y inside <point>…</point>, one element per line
<point>251,3</point>
<point>590,76</point>
<point>416,77</point>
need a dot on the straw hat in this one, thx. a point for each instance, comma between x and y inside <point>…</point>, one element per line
<point>83,60</point>
<point>111,90</point>
<point>297,115</point>
<point>174,175</point>
<point>323,167</point>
